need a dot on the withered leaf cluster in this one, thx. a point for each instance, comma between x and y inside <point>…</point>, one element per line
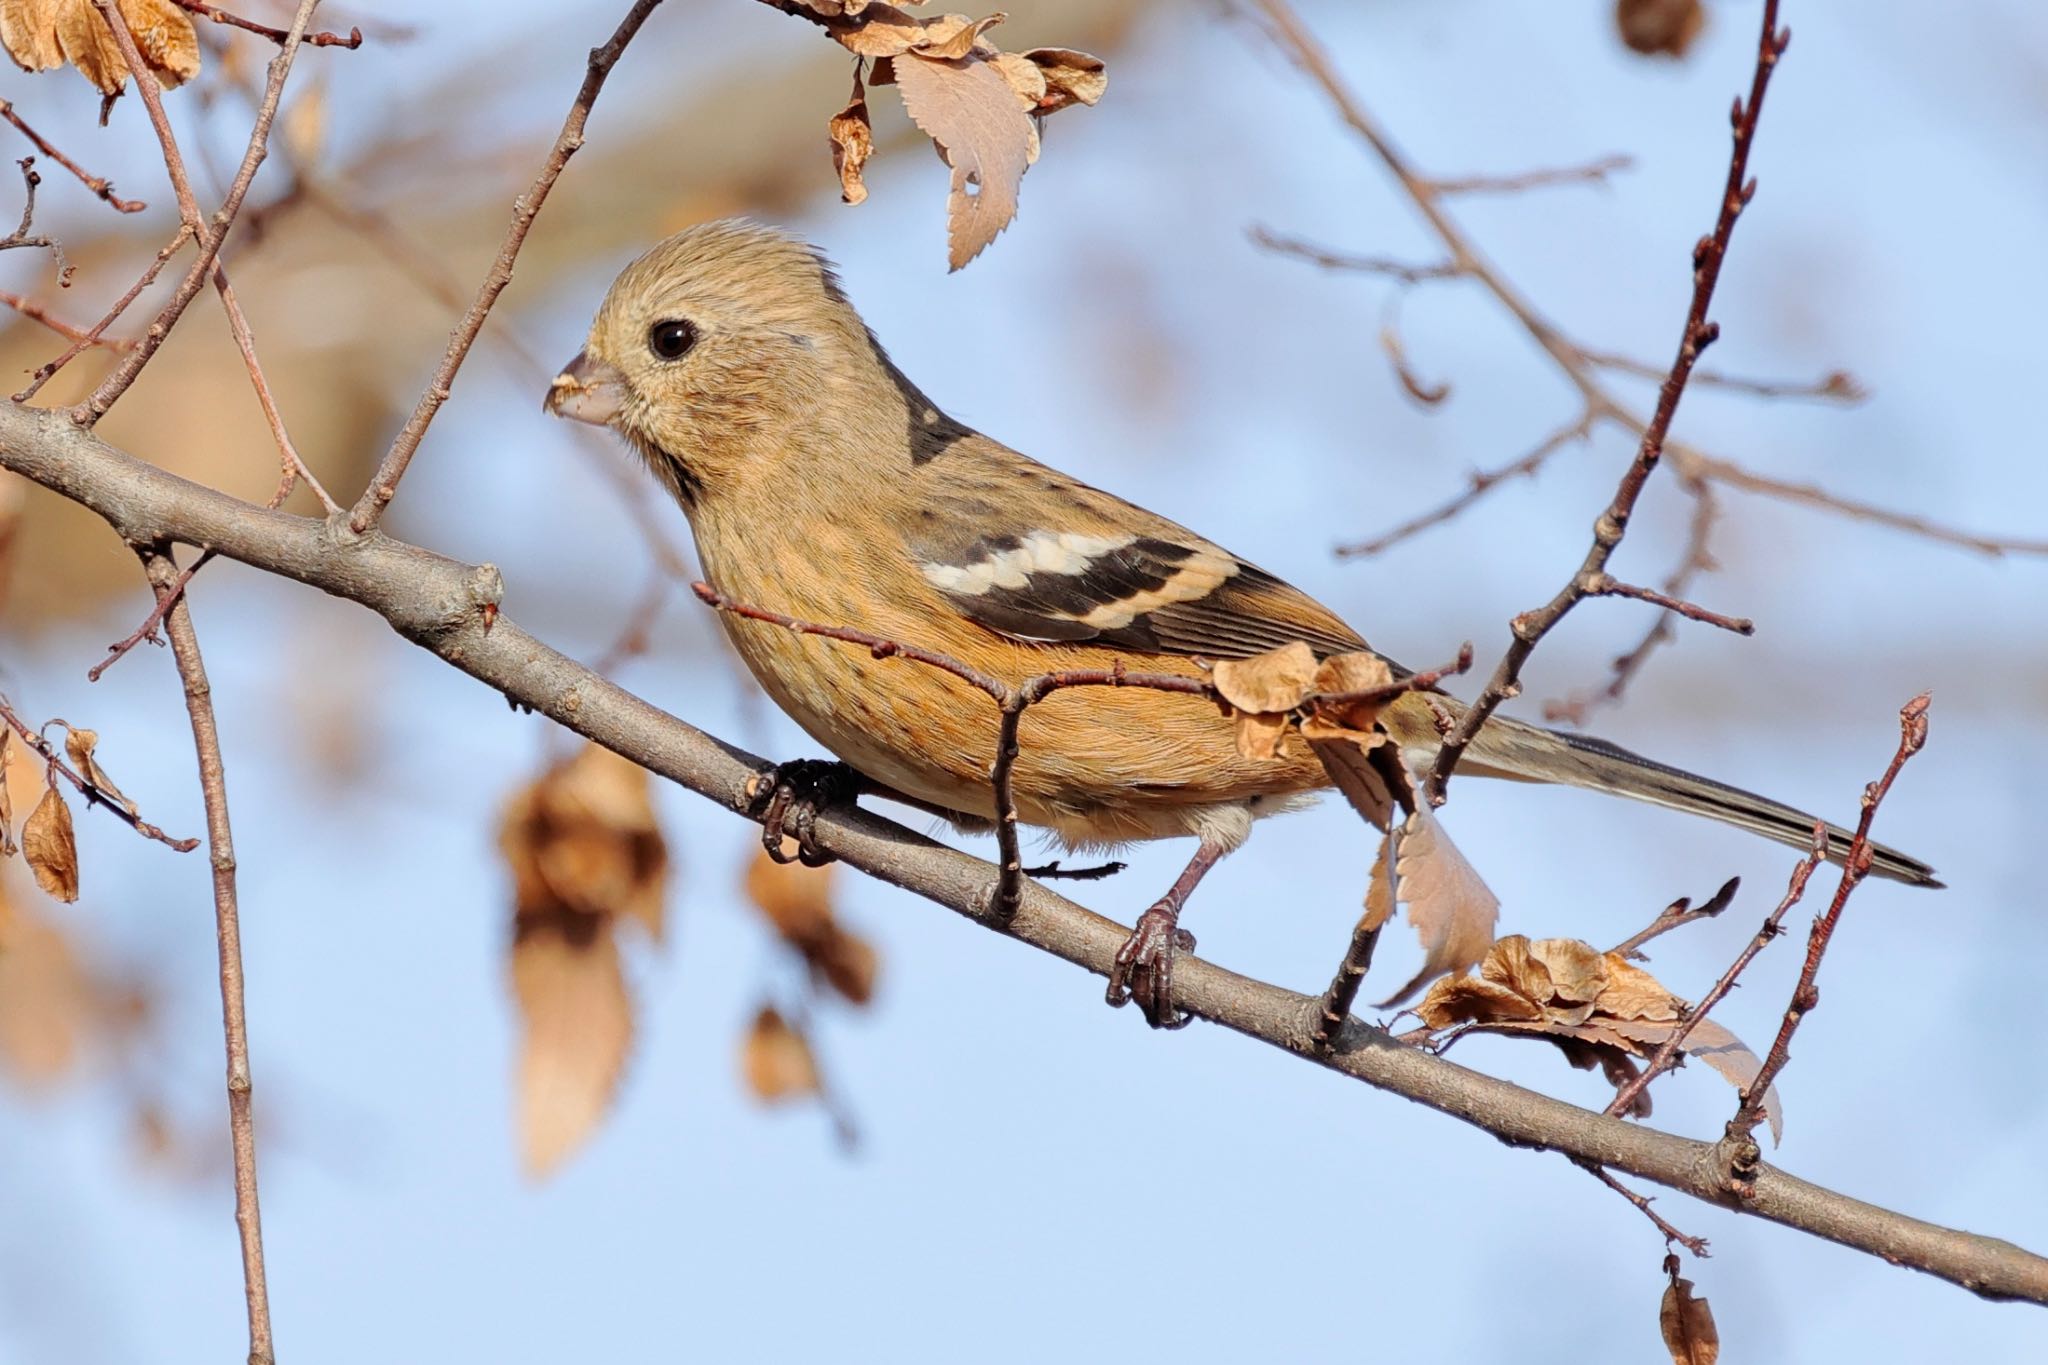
<point>776,1058</point>
<point>1336,704</point>
<point>585,854</point>
<point>977,103</point>
<point>797,901</point>
<point>41,34</point>
<point>48,842</point>
<point>1600,1008</point>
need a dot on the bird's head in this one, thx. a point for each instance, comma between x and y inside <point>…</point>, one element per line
<point>723,354</point>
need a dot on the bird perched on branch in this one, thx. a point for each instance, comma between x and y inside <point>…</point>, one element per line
<point>821,483</point>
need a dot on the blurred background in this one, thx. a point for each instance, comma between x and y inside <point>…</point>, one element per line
<point>1027,1175</point>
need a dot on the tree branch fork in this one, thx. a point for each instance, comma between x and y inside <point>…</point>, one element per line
<point>452,610</point>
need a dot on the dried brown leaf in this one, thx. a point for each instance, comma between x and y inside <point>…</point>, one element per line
<point>28,30</point>
<point>79,746</point>
<point>1263,691</point>
<point>1070,77</point>
<point>1731,1057</point>
<point>1277,681</point>
<point>46,998</point>
<point>1340,677</point>
<point>777,1060</point>
<point>1364,767</point>
<point>1688,1326</point>
<point>51,848</point>
<point>1568,990</point>
<point>879,31</point>
<point>578,1025</point>
<point>952,36</point>
<point>583,837</point>
<point>1379,887</point>
<point>164,36</point>
<point>8,848</point>
<point>88,44</point>
<point>853,141</point>
<point>969,111</point>
<point>1659,28</point>
<point>1025,78</point>
<point>1451,908</point>
<point>798,901</point>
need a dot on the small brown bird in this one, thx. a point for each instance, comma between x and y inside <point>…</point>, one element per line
<point>821,483</point>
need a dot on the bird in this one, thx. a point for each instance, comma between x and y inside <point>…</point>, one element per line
<point>821,484</point>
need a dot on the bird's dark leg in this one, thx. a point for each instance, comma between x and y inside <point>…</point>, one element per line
<point>1144,965</point>
<point>790,795</point>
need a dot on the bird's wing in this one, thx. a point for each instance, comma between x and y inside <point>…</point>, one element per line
<point>1053,559</point>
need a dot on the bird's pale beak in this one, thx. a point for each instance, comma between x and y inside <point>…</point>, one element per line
<point>587,391</point>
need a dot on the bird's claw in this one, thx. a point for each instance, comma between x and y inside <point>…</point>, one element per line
<point>788,797</point>
<point>1144,966</point>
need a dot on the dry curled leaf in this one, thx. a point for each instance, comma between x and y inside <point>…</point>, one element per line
<point>585,851</point>
<point>1659,28</point>
<point>28,30</point>
<point>8,848</point>
<point>777,1060</point>
<point>1605,1005</point>
<point>162,31</point>
<point>1450,907</point>
<point>584,837</point>
<point>1263,691</point>
<point>853,141</point>
<point>1688,1326</point>
<point>577,1025</point>
<point>1070,77</point>
<point>50,847</point>
<point>798,901</point>
<point>967,109</point>
<point>79,746</point>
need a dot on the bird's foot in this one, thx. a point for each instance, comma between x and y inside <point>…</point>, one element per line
<point>1144,966</point>
<point>788,797</point>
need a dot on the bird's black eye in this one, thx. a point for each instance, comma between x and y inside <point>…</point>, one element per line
<point>671,339</point>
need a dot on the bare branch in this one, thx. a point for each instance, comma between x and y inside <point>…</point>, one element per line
<point>1696,335</point>
<point>169,584</point>
<point>99,185</point>
<point>384,484</point>
<point>352,40</point>
<point>440,605</point>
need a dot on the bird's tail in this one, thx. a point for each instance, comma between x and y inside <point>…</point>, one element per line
<point>1513,749</point>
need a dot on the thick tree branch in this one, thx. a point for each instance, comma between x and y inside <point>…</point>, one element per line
<point>441,605</point>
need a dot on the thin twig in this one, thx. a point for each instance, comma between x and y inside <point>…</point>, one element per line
<point>35,312</point>
<point>168,583</point>
<point>99,185</point>
<point>22,237</point>
<point>1677,915</point>
<point>384,484</point>
<point>1407,272</point>
<point>1667,1053</point>
<point>1697,558</point>
<point>1476,487</point>
<point>1696,335</point>
<point>1836,386</point>
<point>147,630</point>
<point>85,786</point>
<point>352,40</point>
<point>214,233</point>
<point>1672,1236</point>
<point>1805,995</point>
<point>45,372</point>
<point>1595,172</point>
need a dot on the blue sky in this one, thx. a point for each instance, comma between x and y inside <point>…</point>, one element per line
<point>1039,1177</point>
